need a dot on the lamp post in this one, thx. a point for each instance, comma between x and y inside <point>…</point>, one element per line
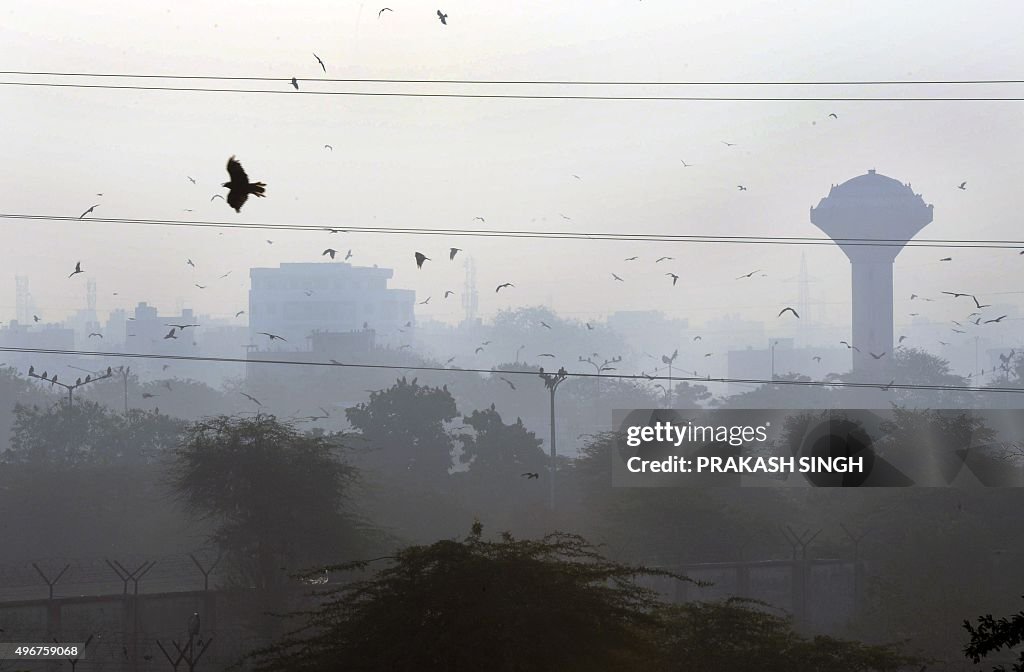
<point>70,388</point>
<point>601,368</point>
<point>552,381</point>
<point>773,344</point>
<point>518,350</point>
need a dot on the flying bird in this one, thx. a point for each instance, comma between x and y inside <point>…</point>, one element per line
<point>817,359</point>
<point>507,381</point>
<point>224,276</point>
<point>443,17</point>
<point>998,319</point>
<point>479,350</point>
<point>147,395</point>
<point>385,9</point>
<point>425,301</point>
<point>545,354</point>
<point>675,278</point>
<point>170,334</point>
<point>200,286</point>
<point>788,309</point>
<point>321,62</point>
<point>659,259</point>
<point>697,338</point>
<point>848,346</point>
<point>481,219</point>
<point>329,147</point>
<point>980,305</point>
<point>631,258</point>
<point>216,196</point>
<point>239,313</point>
<point>728,144</point>
<point>902,338</point>
<point>295,83</point>
<point>329,251</point>
<point>749,274</point>
<point>78,269</point>
<point>95,334</point>
<point>589,327</point>
<point>946,259</point>
<point>617,278</point>
<point>741,187</point>
<point>962,186</point>
<point>545,324</point>
<point>181,327</point>
<point>272,337</point>
<point>448,293</point>
<point>251,398</point>
<point>503,285</point>
<point>240,187</point>
<point>874,356</point>
<point>191,179</point>
<point>833,115</point>
<point>530,475</point>
<point>685,164</point>
<point>88,211</point>
<point>453,251</point>
<point>35,318</point>
<point>420,258</point>
<point>190,263</point>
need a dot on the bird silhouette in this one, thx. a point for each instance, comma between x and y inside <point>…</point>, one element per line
<point>191,179</point>
<point>788,309</point>
<point>946,259</point>
<point>530,475</point>
<point>507,381</point>
<point>589,327</point>
<point>216,196</point>
<point>95,333</point>
<point>295,83</point>
<point>685,164</point>
<point>833,115</point>
<point>957,295</point>
<point>998,319</point>
<point>200,286</point>
<point>443,17</point>
<point>329,251</point>
<point>741,187</point>
<point>449,361</point>
<point>240,187</point>
<point>329,147</point>
<point>728,144</point>
<point>849,347</point>
<point>617,278</point>
<point>502,286</point>
<point>817,359</point>
<point>453,251</point>
<point>420,258</point>
<point>660,259</point>
<point>631,258</point>
<point>385,9</point>
<point>348,255</point>
<point>675,278</point>
<point>873,355</point>
<point>480,218</point>
<point>170,334</point>
<point>35,318</point>
<point>749,274</point>
<point>321,62</point>
<point>425,301</point>
<point>697,338</point>
<point>190,263</point>
<point>88,211</point>
<point>272,337</point>
<point>478,350</point>
<point>980,305</point>
<point>448,293</point>
<point>545,354</point>
<point>239,313</point>
<point>78,269</point>
<point>902,338</point>
<point>251,398</point>
<point>181,327</point>
<point>147,395</point>
<point>962,186</point>
<point>545,324</point>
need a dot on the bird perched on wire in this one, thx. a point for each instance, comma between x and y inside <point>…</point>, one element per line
<point>240,187</point>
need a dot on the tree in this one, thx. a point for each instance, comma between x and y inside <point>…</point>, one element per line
<point>499,451</point>
<point>523,605</point>
<point>991,635</point>
<point>277,496</point>
<point>404,426</point>
<point>88,433</point>
<point>740,635</point>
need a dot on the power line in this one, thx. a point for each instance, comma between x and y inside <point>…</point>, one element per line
<point>526,82</point>
<point>548,235</point>
<point>510,96</point>
<point>578,374</point>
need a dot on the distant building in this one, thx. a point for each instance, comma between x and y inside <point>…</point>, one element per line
<point>757,363</point>
<point>295,300</point>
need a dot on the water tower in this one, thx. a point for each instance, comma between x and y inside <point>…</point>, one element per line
<point>868,208</point>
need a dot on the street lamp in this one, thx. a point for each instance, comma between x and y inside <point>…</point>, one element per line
<point>70,388</point>
<point>601,368</point>
<point>518,350</point>
<point>552,381</point>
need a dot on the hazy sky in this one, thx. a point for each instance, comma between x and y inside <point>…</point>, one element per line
<point>441,162</point>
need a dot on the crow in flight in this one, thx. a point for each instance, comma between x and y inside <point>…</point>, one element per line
<point>240,187</point>
<point>443,17</point>
<point>420,258</point>
<point>963,186</point>
<point>272,337</point>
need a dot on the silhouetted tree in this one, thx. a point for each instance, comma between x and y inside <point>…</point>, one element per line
<point>508,605</point>
<point>994,634</point>
<point>276,496</point>
<point>404,427</point>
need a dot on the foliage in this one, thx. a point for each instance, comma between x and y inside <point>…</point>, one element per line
<point>742,636</point>
<point>88,433</point>
<point>277,496</point>
<point>992,634</point>
<point>524,605</point>
<point>405,427</point>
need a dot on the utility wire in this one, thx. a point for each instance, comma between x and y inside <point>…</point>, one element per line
<point>521,82</point>
<point>578,374</point>
<point>509,96</point>
<point>548,235</point>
